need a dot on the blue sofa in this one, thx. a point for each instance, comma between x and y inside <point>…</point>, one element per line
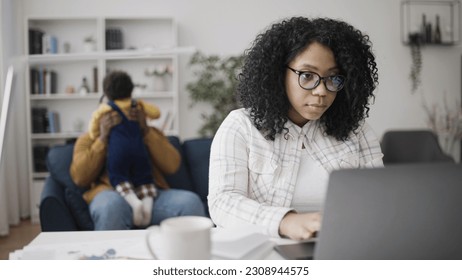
<point>62,207</point>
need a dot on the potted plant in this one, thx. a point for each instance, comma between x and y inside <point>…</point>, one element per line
<point>160,74</point>
<point>216,82</point>
<point>89,44</point>
<point>416,56</point>
<point>446,122</point>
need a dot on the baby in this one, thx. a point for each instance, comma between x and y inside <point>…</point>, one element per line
<point>128,162</point>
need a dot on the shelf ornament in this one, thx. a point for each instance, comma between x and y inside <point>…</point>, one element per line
<point>161,75</point>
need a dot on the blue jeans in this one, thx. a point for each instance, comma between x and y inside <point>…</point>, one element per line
<point>110,211</point>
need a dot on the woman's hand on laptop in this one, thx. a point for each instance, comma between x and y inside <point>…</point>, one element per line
<point>300,226</point>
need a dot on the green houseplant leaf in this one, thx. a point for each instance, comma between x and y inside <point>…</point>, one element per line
<point>416,55</point>
<point>215,83</point>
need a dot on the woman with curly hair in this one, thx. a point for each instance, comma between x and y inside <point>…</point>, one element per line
<point>305,86</point>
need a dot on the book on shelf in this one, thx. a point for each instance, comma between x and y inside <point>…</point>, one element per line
<point>39,120</point>
<point>34,77</point>
<point>40,153</point>
<point>45,121</point>
<point>49,44</point>
<point>53,122</point>
<point>95,79</point>
<point>35,41</point>
<point>114,39</point>
<point>43,81</point>
<point>41,42</point>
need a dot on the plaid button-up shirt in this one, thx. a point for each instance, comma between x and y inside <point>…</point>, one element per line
<point>252,179</point>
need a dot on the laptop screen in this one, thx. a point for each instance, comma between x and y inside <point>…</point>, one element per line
<point>410,211</point>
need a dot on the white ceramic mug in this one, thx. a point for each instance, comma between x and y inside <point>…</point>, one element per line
<point>180,238</point>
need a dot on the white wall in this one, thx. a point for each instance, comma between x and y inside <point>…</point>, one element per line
<point>228,27</point>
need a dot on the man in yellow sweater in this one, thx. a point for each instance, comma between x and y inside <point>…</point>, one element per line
<point>128,162</point>
<point>120,209</point>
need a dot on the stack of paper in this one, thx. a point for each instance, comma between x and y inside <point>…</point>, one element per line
<point>240,245</point>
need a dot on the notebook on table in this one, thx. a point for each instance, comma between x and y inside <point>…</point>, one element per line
<point>411,211</point>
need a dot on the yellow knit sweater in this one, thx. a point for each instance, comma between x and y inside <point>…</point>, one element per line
<point>89,159</point>
<point>151,111</point>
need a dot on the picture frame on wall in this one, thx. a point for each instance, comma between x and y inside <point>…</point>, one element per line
<point>434,22</point>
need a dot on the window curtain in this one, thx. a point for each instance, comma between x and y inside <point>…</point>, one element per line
<point>14,186</point>
<point>14,182</point>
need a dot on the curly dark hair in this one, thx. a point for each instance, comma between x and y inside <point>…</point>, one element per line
<point>117,85</point>
<point>261,88</point>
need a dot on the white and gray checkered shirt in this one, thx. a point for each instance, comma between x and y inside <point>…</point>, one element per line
<point>252,180</point>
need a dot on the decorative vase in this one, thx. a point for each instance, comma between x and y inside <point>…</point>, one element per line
<point>89,46</point>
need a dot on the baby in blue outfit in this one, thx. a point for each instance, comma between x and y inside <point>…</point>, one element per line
<point>128,162</point>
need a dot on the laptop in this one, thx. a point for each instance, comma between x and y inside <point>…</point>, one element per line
<point>404,211</point>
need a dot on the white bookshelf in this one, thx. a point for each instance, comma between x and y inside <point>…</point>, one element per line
<point>148,44</point>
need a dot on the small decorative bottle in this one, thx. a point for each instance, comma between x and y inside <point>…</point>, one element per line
<point>429,33</point>
<point>84,88</point>
<point>423,29</point>
<point>437,34</point>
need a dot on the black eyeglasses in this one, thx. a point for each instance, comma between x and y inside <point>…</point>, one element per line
<point>310,80</point>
